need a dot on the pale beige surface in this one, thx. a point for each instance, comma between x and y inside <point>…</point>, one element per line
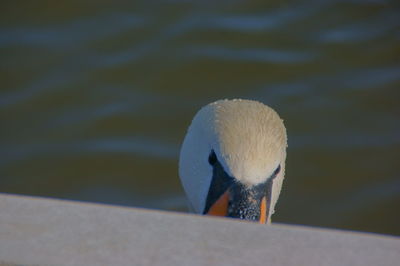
<point>52,232</point>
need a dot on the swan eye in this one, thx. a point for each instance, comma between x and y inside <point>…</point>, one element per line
<point>212,158</point>
<point>276,172</point>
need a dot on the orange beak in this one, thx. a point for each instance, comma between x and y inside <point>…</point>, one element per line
<point>263,211</point>
<point>220,207</point>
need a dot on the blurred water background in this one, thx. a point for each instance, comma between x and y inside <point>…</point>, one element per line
<point>96,97</point>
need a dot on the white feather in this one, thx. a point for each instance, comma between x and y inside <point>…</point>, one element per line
<point>249,140</point>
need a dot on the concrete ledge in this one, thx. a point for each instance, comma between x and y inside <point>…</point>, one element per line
<point>35,231</point>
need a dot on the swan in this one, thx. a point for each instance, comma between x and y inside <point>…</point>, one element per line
<point>232,160</point>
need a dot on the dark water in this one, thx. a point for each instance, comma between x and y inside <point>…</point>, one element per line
<point>96,98</point>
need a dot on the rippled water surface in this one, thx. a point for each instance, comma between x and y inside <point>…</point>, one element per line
<point>95,99</point>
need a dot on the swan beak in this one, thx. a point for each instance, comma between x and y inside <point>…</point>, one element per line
<point>247,204</point>
<point>220,207</point>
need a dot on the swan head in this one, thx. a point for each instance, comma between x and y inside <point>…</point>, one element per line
<point>232,160</point>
